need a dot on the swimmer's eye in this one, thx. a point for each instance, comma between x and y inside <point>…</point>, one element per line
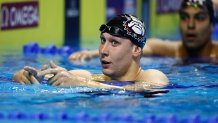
<point>103,40</point>
<point>183,16</point>
<point>114,43</point>
<point>201,16</point>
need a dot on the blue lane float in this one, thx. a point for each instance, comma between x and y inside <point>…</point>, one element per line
<point>81,117</point>
<point>34,48</point>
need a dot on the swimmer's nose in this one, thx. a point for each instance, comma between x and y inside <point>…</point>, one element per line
<point>104,49</point>
<point>191,23</point>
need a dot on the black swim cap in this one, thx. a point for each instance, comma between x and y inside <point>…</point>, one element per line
<point>127,26</point>
<point>203,4</point>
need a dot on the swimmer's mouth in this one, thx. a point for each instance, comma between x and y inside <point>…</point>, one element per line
<point>105,62</point>
<point>191,36</point>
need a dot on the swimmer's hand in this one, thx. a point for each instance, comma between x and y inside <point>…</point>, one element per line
<point>83,55</point>
<point>28,75</point>
<point>61,76</point>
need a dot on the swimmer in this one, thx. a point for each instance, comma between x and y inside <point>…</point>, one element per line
<point>196,26</point>
<point>120,49</point>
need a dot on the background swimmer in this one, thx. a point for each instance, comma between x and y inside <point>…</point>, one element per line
<point>196,26</point>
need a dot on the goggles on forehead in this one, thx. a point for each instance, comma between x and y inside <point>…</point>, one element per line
<point>112,30</point>
<point>195,3</point>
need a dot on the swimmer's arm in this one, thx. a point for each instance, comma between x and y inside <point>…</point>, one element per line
<point>159,47</point>
<point>95,84</point>
<point>152,79</point>
<point>63,77</point>
<point>83,55</point>
<point>85,78</point>
<point>74,78</point>
<point>81,73</point>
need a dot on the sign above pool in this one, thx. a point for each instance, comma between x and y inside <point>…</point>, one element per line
<point>19,15</point>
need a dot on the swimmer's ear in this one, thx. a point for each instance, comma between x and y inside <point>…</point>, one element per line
<point>137,51</point>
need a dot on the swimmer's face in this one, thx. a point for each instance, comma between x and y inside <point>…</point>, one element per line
<point>195,27</point>
<point>115,55</point>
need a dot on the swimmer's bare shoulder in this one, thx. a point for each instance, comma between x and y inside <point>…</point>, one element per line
<point>154,77</point>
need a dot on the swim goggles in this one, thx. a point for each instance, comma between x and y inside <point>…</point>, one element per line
<point>195,3</point>
<point>112,30</point>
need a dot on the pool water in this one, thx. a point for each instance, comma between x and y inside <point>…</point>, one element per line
<point>192,95</point>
